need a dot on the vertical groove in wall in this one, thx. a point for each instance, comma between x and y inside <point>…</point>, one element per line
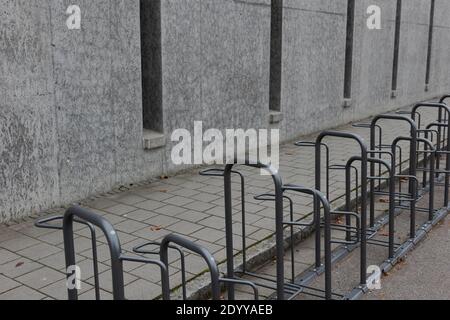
<point>430,43</point>
<point>276,47</point>
<point>398,24</point>
<point>55,103</point>
<point>150,15</point>
<point>349,49</point>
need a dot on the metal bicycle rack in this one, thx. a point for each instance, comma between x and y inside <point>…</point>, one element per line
<point>318,269</point>
<point>361,235</point>
<point>46,223</point>
<point>277,282</point>
<point>413,194</point>
<point>368,158</point>
<point>364,159</point>
<point>442,130</point>
<point>414,139</point>
<point>92,220</point>
<point>393,148</point>
<point>361,170</point>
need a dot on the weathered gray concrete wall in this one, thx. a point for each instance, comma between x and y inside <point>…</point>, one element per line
<point>216,57</point>
<point>28,131</point>
<point>440,66</point>
<point>71,106</point>
<point>314,61</point>
<point>413,50</point>
<point>373,60</point>
<point>71,111</point>
<point>313,65</point>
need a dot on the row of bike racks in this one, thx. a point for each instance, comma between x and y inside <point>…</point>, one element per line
<point>379,161</point>
<point>88,218</point>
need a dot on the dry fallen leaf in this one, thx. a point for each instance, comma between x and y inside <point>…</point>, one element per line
<point>155,228</point>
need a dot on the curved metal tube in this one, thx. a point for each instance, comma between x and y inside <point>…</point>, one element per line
<point>443,108</point>
<point>244,283</point>
<point>220,173</point>
<point>44,223</point>
<point>192,246</point>
<point>432,150</point>
<point>113,243</point>
<point>278,224</point>
<point>139,249</point>
<point>319,197</point>
<point>271,197</point>
<point>412,156</point>
<point>364,157</point>
<point>391,169</point>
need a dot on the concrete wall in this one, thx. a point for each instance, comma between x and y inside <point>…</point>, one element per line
<point>216,57</point>
<point>440,68</point>
<point>373,60</point>
<point>71,106</point>
<point>28,126</point>
<point>314,35</point>
<point>314,61</point>
<point>71,111</point>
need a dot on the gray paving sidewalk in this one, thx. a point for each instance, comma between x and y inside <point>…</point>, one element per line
<point>32,260</point>
<point>424,274</point>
